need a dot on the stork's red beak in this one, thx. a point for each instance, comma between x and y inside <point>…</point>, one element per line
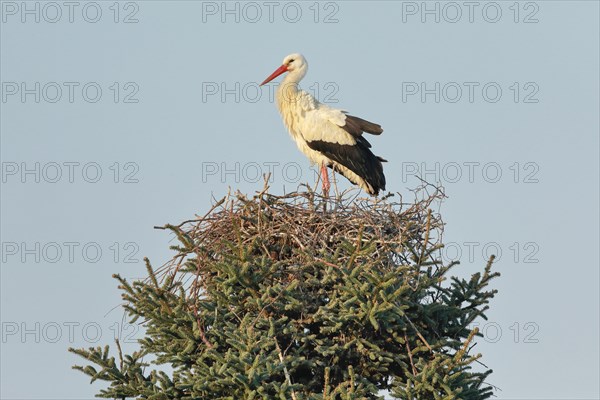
<point>275,74</point>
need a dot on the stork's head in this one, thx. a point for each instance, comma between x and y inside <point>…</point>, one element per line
<point>295,64</point>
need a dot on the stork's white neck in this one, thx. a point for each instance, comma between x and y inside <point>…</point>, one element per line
<point>287,98</point>
<point>288,90</point>
<point>295,76</point>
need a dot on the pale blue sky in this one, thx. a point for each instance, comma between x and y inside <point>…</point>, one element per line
<point>184,140</point>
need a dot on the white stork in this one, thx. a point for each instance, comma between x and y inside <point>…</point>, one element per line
<point>328,137</point>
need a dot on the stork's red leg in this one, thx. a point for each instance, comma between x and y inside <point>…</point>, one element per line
<point>325,176</point>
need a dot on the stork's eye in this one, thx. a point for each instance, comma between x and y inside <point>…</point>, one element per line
<point>291,61</point>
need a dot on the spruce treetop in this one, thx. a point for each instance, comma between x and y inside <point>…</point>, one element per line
<point>303,297</point>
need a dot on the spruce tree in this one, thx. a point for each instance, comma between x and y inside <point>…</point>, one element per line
<point>302,297</point>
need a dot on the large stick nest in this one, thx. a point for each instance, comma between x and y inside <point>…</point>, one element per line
<point>306,226</point>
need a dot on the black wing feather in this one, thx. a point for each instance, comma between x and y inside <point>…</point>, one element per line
<point>357,158</point>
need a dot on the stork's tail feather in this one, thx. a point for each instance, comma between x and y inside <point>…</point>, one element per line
<point>375,178</point>
<point>371,184</point>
